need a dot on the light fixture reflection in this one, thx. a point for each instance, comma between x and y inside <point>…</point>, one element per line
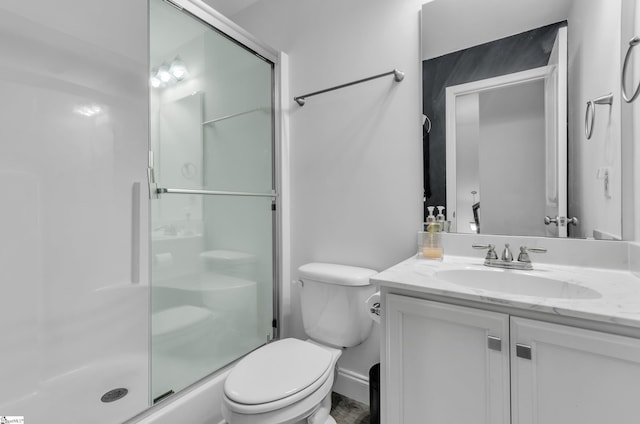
<point>178,69</point>
<point>167,74</point>
<point>164,74</point>
<point>88,110</point>
<point>154,80</point>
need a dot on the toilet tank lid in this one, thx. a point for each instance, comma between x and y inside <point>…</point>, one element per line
<point>343,275</point>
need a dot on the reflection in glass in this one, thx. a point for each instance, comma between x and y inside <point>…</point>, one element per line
<point>504,142</point>
<point>211,255</point>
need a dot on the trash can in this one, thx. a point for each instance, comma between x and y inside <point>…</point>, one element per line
<point>374,394</point>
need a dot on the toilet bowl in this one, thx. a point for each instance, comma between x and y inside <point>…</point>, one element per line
<point>289,381</point>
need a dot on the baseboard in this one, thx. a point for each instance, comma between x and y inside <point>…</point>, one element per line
<point>352,385</point>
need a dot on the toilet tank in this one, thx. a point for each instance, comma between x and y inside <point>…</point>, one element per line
<point>333,305</point>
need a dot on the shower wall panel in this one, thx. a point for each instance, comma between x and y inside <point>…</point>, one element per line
<point>74,139</point>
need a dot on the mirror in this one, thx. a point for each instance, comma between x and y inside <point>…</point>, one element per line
<point>501,131</point>
<point>501,153</point>
<point>178,153</point>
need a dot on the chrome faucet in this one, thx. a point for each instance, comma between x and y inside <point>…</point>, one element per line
<point>507,256</point>
<point>506,261</point>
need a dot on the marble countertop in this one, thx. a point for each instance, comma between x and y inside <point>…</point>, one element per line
<point>618,304</point>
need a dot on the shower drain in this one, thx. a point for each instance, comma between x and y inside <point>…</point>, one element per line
<point>115,394</point>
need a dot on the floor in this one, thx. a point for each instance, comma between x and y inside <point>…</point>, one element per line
<point>348,411</point>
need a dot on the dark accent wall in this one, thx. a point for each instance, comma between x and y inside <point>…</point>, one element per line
<point>516,53</point>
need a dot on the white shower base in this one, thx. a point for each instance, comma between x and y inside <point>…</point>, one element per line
<point>74,397</point>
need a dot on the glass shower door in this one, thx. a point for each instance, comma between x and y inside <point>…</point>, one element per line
<point>212,225</point>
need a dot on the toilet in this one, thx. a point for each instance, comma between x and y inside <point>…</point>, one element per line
<point>289,381</point>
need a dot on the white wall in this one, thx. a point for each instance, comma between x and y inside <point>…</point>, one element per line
<point>356,163</point>
<point>594,69</point>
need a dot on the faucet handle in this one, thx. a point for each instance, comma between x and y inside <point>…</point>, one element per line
<point>524,253</point>
<point>507,256</point>
<point>491,250</point>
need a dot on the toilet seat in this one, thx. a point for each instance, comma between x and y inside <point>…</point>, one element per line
<point>278,375</point>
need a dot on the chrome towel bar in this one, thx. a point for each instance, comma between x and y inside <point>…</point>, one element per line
<point>397,76</point>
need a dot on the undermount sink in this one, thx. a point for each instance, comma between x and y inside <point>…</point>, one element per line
<point>510,282</point>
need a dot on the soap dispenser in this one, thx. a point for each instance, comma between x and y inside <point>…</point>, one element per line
<point>440,219</point>
<point>429,241</point>
<point>431,219</point>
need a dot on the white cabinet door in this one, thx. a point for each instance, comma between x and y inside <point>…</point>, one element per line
<point>441,366</point>
<point>573,376</point>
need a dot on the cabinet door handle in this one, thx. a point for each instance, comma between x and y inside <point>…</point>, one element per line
<point>523,351</point>
<point>494,343</point>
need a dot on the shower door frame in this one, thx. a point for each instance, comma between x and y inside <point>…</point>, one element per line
<point>224,26</point>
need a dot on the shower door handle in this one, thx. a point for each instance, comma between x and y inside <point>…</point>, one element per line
<point>136,227</point>
<point>162,190</point>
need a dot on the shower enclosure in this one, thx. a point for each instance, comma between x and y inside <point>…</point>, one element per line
<point>113,297</point>
<point>213,199</point>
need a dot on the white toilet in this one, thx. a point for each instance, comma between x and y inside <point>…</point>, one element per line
<point>289,381</point>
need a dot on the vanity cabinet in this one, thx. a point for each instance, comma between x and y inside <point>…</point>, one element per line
<point>447,364</point>
<point>574,376</point>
